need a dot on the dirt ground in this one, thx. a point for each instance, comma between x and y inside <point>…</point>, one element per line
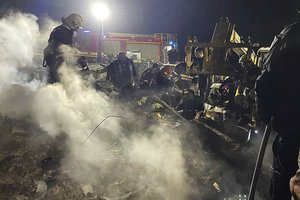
<point>30,164</point>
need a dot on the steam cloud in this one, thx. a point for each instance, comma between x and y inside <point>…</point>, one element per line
<point>153,160</point>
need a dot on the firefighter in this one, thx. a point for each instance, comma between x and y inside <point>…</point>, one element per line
<point>122,74</point>
<point>83,64</point>
<point>198,60</point>
<point>190,104</point>
<point>150,77</point>
<point>278,103</point>
<point>196,68</point>
<point>250,71</point>
<point>61,35</point>
<point>172,55</point>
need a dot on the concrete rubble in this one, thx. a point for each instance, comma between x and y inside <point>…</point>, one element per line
<point>30,164</point>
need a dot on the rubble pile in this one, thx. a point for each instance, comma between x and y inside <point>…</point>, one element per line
<point>32,166</point>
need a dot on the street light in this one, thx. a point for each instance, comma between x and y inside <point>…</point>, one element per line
<point>101,12</point>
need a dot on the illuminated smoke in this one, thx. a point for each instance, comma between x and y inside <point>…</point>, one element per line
<point>153,161</point>
<point>18,37</point>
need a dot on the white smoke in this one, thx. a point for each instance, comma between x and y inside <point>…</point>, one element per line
<point>18,37</point>
<point>161,152</point>
<point>153,160</point>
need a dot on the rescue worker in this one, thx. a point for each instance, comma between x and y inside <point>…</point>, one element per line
<point>250,71</point>
<point>198,60</point>
<point>61,35</point>
<point>190,104</point>
<point>83,64</point>
<point>172,55</point>
<point>196,68</point>
<point>180,68</point>
<point>122,74</point>
<point>245,95</point>
<point>150,77</point>
<point>227,90</point>
<point>278,102</point>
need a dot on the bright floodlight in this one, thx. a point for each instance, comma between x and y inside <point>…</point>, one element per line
<point>101,11</point>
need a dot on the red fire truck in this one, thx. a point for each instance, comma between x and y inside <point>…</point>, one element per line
<point>152,47</point>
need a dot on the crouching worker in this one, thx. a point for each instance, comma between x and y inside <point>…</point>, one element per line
<point>61,35</point>
<point>190,105</point>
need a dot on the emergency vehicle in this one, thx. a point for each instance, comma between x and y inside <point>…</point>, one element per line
<point>140,47</point>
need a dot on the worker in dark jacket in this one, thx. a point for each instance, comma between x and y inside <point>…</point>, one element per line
<point>122,74</point>
<point>189,105</point>
<point>196,68</point>
<point>172,55</point>
<point>150,77</point>
<point>61,35</point>
<point>197,63</point>
<point>278,102</point>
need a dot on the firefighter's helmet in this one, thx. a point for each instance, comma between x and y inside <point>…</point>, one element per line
<point>73,21</point>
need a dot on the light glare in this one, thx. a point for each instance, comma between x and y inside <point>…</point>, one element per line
<point>100,11</point>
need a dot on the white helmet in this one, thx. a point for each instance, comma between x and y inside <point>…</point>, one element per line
<point>74,21</point>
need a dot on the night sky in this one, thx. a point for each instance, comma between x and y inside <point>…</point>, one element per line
<point>260,19</point>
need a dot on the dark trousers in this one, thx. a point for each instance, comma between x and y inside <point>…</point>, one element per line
<point>126,91</point>
<point>285,154</point>
<point>203,86</point>
<point>53,76</point>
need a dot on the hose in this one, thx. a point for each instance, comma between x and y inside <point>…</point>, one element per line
<point>109,116</point>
